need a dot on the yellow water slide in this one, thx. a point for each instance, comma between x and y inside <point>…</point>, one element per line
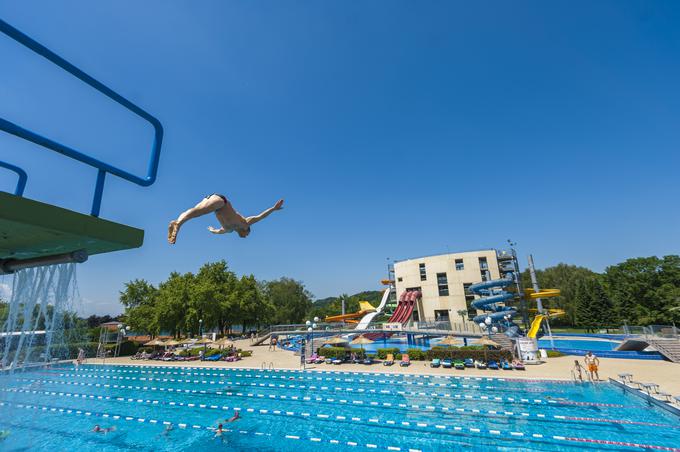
<point>543,293</point>
<point>364,308</point>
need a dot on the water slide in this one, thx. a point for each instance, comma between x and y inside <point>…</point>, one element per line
<point>365,308</point>
<point>407,302</point>
<point>492,301</point>
<point>536,323</point>
<point>368,318</point>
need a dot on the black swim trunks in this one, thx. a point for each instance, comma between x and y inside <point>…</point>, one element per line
<point>217,194</point>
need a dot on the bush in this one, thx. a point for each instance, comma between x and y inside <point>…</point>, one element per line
<point>415,354</point>
<point>554,354</point>
<point>246,353</point>
<point>382,353</point>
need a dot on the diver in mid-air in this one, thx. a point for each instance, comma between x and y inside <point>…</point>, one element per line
<point>229,218</point>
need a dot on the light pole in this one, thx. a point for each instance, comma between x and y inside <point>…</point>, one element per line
<point>311,326</point>
<point>200,328</point>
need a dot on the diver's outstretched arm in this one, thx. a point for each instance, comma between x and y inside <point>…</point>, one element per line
<point>265,214</point>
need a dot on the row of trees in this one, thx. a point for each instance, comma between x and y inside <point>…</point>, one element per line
<point>639,291</point>
<point>213,299</point>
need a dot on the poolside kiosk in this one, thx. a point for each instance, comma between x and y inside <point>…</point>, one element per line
<point>33,233</point>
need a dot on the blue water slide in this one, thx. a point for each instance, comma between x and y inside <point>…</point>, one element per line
<point>492,301</point>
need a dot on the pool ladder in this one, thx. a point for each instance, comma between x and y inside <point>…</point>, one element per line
<point>266,366</point>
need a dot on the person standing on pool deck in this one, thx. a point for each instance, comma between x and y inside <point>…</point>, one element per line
<point>592,364</point>
<point>229,218</point>
<point>577,371</point>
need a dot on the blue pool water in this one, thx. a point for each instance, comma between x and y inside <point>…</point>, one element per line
<point>579,344</point>
<point>55,409</point>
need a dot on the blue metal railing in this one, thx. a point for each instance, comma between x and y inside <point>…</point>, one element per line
<point>102,167</point>
<point>23,177</point>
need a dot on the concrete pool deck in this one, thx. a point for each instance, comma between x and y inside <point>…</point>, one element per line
<point>664,373</point>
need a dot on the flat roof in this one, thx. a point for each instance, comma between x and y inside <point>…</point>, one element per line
<point>445,254</point>
<point>30,229</point>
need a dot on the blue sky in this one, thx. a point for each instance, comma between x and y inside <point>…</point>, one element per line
<point>392,129</point>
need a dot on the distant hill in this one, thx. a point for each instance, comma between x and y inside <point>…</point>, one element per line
<point>332,305</point>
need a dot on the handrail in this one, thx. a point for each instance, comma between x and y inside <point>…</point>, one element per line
<point>103,168</point>
<point>23,177</point>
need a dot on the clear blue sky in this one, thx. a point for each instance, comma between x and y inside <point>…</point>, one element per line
<point>392,129</point>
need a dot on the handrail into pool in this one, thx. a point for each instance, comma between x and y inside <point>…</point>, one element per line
<point>23,177</point>
<point>102,167</point>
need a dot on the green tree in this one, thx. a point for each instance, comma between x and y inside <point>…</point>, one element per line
<point>140,298</point>
<point>174,300</point>
<point>566,278</point>
<point>290,300</point>
<point>212,297</point>
<point>594,308</point>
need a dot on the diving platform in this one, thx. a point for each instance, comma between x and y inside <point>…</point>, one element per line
<point>33,231</point>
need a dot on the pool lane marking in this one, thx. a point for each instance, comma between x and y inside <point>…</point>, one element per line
<point>469,412</point>
<point>322,388</point>
<point>455,431</point>
<point>185,426</point>
<point>518,379</point>
<point>272,396</point>
<point>363,381</point>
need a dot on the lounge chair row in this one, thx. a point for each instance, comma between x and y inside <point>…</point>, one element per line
<point>316,359</point>
<point>461,364</point>
<point>171,356</point>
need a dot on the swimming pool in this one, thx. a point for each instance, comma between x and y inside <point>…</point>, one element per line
<point>284,410</point>
<point>578,344</point>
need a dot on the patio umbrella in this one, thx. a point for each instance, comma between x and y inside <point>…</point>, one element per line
<point>449,340</point>
<point>336,340</point>
<point>154,343</point>
<point>362,340</point>
<point>485,341</point>
<point>172,343</point>
<point>188,341</point>
<point>203,341</point>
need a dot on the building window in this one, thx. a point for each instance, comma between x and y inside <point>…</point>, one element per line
<point>460,265</point>
<point>483,264</point>
<point>442,284</point>
<point>400,279</point>
<point>469,298</point>
<point>423,274</point>
<point>441,315</point>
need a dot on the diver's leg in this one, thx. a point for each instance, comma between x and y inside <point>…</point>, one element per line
<point>207,205</point>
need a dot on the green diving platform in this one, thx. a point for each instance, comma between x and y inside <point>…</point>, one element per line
<point>32,230</point>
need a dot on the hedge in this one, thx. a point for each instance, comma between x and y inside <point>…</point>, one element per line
<point>127,348</point>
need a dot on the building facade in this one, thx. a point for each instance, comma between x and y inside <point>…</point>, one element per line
<point>443,280</point>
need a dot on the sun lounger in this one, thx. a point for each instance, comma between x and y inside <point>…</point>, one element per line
<point>492,365</point>
<point>336,361</point>
<point>469,362</point>
<point>405,361</point>
<point>459,364</point>
<point>446,363</point>
<point>312,359</point>
<point>518,365</point>
<point>506,365</point>
<point>480,365</point>
<point>436,362</point>
<point>213,358</point>
<point>389,360</point>
<point>367,360</point>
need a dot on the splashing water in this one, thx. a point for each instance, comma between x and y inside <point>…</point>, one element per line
<point>40,323</point>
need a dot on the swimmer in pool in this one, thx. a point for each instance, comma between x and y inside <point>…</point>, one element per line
<point>235,417</point>
<point>219,432</point>
<point>98,429</point>
<point>229,219</point>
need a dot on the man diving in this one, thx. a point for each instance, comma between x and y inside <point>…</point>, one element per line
<point>229,218</point>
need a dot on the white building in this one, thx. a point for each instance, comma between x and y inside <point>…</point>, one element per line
<point>443,280</point>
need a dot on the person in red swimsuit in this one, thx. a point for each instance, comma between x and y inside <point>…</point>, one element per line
<point>230,220</point>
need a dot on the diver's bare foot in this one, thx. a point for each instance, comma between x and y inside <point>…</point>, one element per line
<point>173,227</point>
